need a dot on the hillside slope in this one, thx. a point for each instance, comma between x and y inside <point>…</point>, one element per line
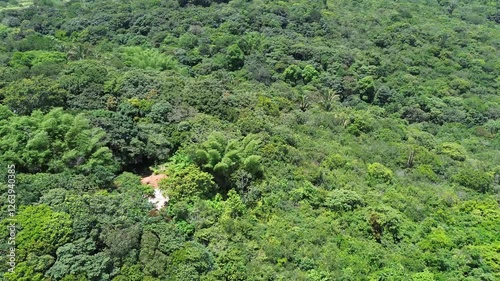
<point>303,140</point>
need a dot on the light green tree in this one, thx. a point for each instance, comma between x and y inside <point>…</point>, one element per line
<point>223,157</point>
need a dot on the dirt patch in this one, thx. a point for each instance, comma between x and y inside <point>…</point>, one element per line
<point>153,180</point>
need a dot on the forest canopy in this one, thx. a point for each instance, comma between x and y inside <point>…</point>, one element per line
<point>300,140</point>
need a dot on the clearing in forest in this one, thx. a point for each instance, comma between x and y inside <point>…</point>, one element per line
<point>158,199</point>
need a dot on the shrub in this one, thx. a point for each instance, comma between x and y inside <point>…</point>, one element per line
<point>454,150</point>
<point>426,172</point>
<point>378,173</point>
<point>187,182</point>
<point>343,200</point>
<point>474,179</point>
<point>334,161</point>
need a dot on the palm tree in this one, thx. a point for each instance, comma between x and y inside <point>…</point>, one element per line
<point>328,98</point>
<point>80,51</point>
<point>304,102</point>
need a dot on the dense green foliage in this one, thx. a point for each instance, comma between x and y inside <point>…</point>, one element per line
<point>302,140</point>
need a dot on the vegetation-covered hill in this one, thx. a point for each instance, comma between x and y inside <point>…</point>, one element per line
<point>302,140</point>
